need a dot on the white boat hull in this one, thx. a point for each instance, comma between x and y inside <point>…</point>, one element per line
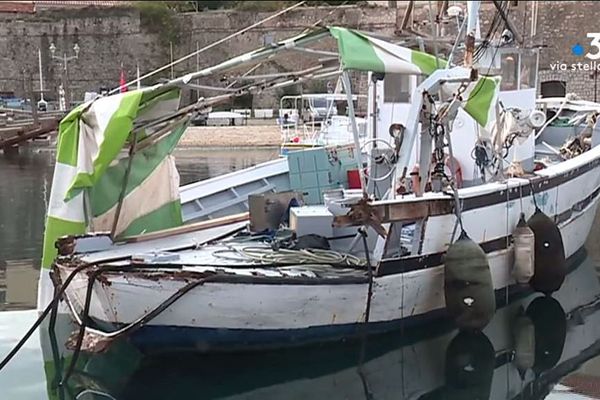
<point>266,310</point>
<point>332,371</point>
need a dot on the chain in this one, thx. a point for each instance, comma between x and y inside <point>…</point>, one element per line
<point>461,89</point>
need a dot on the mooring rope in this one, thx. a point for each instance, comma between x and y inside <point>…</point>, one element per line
<point>43,315</point>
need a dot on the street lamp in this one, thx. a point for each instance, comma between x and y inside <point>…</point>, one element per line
<point>65,60</point>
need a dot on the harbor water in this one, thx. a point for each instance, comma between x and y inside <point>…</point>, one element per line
<point>535,347</point>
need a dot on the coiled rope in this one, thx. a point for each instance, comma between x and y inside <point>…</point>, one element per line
<point>265,255</point>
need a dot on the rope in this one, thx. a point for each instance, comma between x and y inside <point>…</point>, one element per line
<point>533,196</point>
<point>507,230</point>
<point>265,255</point>
<point>49,307</point>
<point>453,185</point>
<point>139,322</point>
<point>208,47</point>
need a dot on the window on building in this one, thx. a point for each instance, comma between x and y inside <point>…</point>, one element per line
<point>528,68</point>
<point>396,88</point>
<point>509,64</point>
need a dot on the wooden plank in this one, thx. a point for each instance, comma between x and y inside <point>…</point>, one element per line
<point>417,210</point>
<point>31,134</point>
<point>198,226</point>
<point>400,211</point>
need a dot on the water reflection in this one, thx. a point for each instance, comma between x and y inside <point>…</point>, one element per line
<point>527,347</point>
<point>25,180</point>
<point>25,185</point>
<point>18,284</point>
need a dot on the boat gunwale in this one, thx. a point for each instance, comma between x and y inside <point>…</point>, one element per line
<point>177,273</point>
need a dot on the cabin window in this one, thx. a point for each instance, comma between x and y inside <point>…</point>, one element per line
<point>396,88</point>
<point>528,68</point>
<point>510,71</point>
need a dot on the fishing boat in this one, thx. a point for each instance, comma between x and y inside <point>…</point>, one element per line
<point>313,120</point>
<point>441,222</point>
<point>514,357</point>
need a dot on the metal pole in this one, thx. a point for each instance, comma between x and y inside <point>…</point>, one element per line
<point>351,115</point>
<point>434,35</point>
<point>455,45</point>
<point>66,84</point>
<point>197,56</point>
<point>407,15</point>
<point>171,62</point>
<point>41,78</point>
<point>374,110</point>
<point>137,71</point>
<point>249,57</point>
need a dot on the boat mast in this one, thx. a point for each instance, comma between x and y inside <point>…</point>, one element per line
<point>352,116</point>
<point>472,24</point>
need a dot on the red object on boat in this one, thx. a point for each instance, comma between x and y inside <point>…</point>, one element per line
<point>122,81</point>
<point>296,139</point>
<point>353,179</point>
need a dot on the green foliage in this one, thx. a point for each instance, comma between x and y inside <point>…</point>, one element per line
<point>154,8</point>
<point>260,5</point>
<point>214,4</point>
<point>201,5</point>
<point>159,17</point>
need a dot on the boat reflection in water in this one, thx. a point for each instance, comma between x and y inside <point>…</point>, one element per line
<point>528,346</point>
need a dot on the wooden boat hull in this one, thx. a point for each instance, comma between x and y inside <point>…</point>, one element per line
<point>255,310</point>
<point>237,316</point>
<point>334,368</point>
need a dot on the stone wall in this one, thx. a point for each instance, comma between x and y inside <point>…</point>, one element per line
<point>111,37</point>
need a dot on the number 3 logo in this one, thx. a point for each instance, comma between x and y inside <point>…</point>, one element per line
<point>595,43</point>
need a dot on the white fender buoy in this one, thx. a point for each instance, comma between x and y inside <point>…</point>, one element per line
<point>524,247</point>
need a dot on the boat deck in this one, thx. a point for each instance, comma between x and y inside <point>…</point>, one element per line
<point>197,252</point>
<point>250,258</point>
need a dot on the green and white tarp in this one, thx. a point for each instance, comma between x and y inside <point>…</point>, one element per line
<point>362,52</point>
<point>481,98</point>
<point>92,163</point>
